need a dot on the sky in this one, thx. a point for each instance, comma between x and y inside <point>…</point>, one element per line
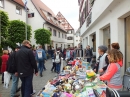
<point>68,8</point>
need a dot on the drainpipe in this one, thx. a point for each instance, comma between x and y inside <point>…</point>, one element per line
<point>44,27</point>
<point>44,24</point>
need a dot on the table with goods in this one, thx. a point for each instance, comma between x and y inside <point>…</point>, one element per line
<point>78,80</point>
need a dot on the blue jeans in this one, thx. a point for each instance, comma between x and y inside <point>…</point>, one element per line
<point>14,87</point>
<point>41,66</point>
<point>26,87</point>
<point>89,60</point>
<point>58,67</point>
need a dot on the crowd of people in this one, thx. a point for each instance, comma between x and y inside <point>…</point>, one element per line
<point>24,62</point>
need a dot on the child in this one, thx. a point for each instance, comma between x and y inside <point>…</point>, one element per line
<point>113,72</point>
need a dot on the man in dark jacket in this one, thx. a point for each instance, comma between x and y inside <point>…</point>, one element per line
<point>89,54</point>
<point>11,68</point>
<point>26,67</point>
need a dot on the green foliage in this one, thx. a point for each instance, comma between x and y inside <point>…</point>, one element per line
<point>16,32</point>
<point>4,26</point>
<point>42,36</point>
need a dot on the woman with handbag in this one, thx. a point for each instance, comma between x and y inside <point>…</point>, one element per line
<point>4,58</point>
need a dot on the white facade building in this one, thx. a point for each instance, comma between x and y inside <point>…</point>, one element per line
<point>68,28</point>
<point>15,9</point>
<point>77,38</point>
<point>45,18</point>
<point>103,22</point>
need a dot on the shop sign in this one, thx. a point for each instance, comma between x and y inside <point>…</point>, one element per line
<point>30,15</point>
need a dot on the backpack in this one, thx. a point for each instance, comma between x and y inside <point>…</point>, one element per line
<point>39,55</point>
<point>57,59</point>
<point>11,66</point>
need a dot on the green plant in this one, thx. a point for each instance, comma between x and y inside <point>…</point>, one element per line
<point>16,32</point>
<point>4,23</point>
<point>42,36</point>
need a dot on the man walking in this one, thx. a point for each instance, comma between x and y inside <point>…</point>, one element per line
<point>40,58</point>
<point>11,68</point>
<point>89,54</point>
<point>26,67</point>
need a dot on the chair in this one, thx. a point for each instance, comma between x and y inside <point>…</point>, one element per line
<point>126,82</point>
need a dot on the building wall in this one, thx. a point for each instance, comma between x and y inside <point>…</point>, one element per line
<point>10,8</point>
<point>36,22</point>
<point>112,15</point>
<point>76,39</point>
<point>56,39</point>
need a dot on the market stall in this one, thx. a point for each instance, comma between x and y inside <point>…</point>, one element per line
<point>78,80</point>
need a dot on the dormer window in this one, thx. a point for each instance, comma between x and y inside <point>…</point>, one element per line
<point>55,18</point>
<point>49,14</point>
<point>18,10</point>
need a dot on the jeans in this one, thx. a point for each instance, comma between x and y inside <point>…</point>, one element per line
<point>41,66</point>
<point>26,87</point>
<point>53,67</point>
<point>58,67</point>
<point>2,77</point>
<point>89,60</point>
<point>14,87</point>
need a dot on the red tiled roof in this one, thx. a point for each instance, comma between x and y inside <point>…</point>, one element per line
<point>41,7</point>
<point>19,2</point>
<point>65,22</point>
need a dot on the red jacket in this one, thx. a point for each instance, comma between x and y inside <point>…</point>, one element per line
<point>4,62</point>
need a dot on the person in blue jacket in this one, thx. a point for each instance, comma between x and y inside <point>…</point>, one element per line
<point>41,58</point>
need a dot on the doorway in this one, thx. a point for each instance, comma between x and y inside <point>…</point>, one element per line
<point>127,25</point>
<point>106,37</point>
<point>94,43</point>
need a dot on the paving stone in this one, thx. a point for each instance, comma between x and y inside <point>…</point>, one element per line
<point>38,82</point>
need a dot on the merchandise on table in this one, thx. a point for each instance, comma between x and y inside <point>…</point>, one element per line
<point>74,82</point>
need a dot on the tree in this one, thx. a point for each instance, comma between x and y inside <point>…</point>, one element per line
<point>4,23</point>
<point>42,36</point>
<point>16,32</point>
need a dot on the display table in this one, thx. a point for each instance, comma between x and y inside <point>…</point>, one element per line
<point>76,81</point>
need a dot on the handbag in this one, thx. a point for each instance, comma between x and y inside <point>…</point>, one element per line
<point>6,79</point>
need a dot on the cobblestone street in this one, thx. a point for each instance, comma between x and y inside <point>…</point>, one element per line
<point>38,82</point>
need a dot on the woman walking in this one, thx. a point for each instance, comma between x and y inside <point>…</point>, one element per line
<point>4,58</point>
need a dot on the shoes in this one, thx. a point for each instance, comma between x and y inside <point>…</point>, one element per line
<point>18,89</point>
<point>2,82</point>
<point>16,95</point>
<point>34,92</point>
<point>41,75</point>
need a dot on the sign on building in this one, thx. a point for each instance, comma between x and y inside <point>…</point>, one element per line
<point>30,15</point>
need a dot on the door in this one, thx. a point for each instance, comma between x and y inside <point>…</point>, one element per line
<point>106,37</point>
<point>127,42</point>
